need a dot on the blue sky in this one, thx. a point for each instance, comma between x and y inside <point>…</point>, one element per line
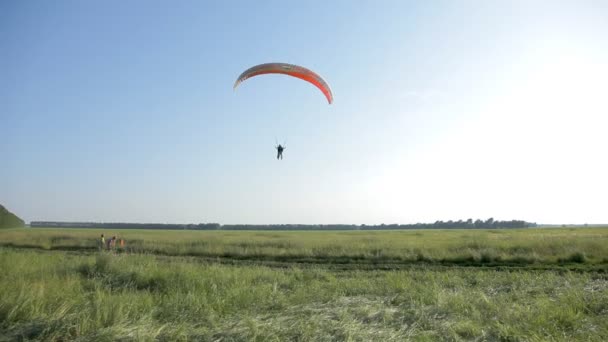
<point>124,111</point>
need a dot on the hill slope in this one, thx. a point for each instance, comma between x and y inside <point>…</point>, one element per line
<point>9,220</point>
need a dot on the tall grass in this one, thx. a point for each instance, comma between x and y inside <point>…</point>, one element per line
<point>66,296</point>
<point>525,246</point>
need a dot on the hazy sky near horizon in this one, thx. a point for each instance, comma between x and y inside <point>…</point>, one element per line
<point>124,111</point>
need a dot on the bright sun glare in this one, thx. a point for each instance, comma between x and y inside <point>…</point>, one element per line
<point>530,142</point>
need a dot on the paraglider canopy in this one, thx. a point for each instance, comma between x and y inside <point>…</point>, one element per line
<point>287,69</point>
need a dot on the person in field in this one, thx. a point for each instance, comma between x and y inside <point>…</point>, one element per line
<point>102,242</point>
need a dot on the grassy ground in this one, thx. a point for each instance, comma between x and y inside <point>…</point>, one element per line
<point>526,246</point>
<point>176,285</point>
<point>66,296</point>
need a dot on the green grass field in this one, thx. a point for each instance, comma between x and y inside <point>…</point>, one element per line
<point>465,247</point>
<point>457,285</point>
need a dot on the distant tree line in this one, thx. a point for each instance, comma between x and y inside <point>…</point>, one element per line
<point>460,224</point>
<point>487,224</point>
<point>124,225</point>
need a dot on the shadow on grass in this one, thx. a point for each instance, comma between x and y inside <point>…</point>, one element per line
<point>26,331</point>
<point>578,258</point>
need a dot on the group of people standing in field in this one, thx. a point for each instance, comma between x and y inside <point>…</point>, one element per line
<point>111,244</point>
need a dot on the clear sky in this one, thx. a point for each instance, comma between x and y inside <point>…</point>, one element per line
<point>124,111</point>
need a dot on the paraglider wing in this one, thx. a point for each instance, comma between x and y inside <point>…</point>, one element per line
<point>287,69</point>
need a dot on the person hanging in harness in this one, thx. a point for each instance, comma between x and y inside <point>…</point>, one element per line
<point>280,150</point>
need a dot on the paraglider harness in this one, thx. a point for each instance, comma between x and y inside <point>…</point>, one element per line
<point>280,148</point>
